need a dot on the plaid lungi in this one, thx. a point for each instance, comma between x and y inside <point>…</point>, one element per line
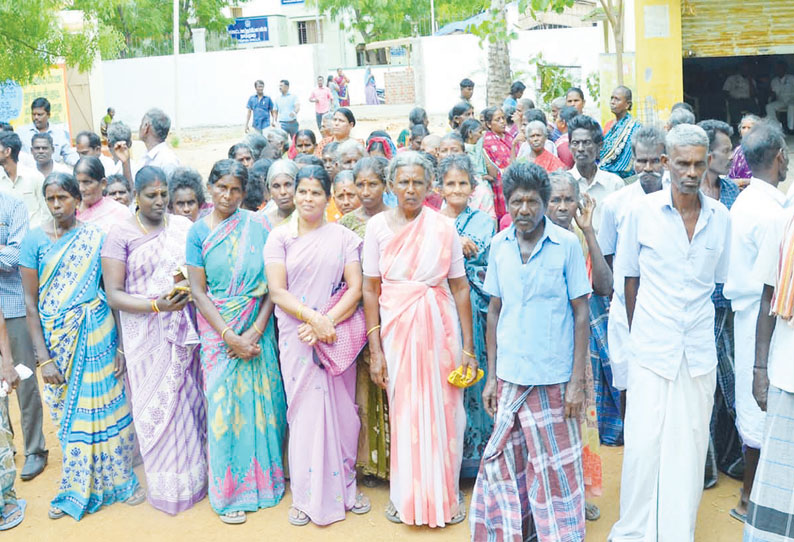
<point>531,472</point>
<point>770,514</point>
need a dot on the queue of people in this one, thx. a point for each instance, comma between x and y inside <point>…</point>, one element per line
<point>475,304</point>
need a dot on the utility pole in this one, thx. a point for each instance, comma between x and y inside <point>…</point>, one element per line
<point>175,127</point>
<point>432,17</point>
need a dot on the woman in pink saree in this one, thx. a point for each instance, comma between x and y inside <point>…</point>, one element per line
<point>97,209</point>
<point>416,300</point>
<point>140,259</point>
<point>497,147</point>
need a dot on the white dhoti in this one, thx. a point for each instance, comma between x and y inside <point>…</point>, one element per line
<point>666,436</point>
<point>749,416</point>
<point>618,340</point>
<point>784,103</point>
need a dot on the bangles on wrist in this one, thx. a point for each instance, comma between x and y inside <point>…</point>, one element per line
<point>472,356</point>
<point>372,329</point>
<point>223,333</point>
<point>155,308</point>
<point>42,364</point>
<point>257,329</point>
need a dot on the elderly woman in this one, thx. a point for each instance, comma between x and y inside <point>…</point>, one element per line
<point>739,168</point>
<point>186,194</point>
<point>343,122</point>
<point>475,230</point>
<point>140,258</point>
<point>96,208</point>
<point>308,261</point>
<point>281,185</point>
<point>566,211</point>
<point>373,442</point>
<point>76,346</point>
<point>534,149</point>
<point>277,142</point>
<point>345,196</point>
<point>416,298</point>
<point>119,189</point>
<point>242,383</point>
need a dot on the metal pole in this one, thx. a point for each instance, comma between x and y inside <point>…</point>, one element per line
<point>175,127</point>
<point>432,17</point>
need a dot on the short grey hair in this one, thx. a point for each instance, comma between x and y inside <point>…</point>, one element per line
<point>344,176</point>
<point>351,145</point>
<point>282,167</point>
<point>412,158</point>
<point>648,136</point>
<point>327,116</point>
<point>456,162</point>
<point>118,131</point>
<point>686,135</point>
<point>560,177</point>
<point>558,102</point>
<point>159,122</point>
<point>762,143</point>
<point>681,116</point>
<point>536,122</point>
<point>272,131</point>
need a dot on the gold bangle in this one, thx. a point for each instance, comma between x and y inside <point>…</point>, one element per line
<point>472,356</point>
<point>120,351</point>
<point>258,330</point>
<point>46,362</point>
<point>331,318</point>
<point>372,329</point>
<point>155,308</point>
<point>227,328</point>
<point>300,313</point>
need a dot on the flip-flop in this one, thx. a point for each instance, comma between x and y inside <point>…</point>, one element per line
<point>461,515</point>
<point>21,505</point>
<point>296,519</point>
<point>362,506</point>
<point>237,519</point>
<point>392,514</point>
<point>137,497</point>
<point>55,513</point>
<point>591,511</point>
<point>737,516</point>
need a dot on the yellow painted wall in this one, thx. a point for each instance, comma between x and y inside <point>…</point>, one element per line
<point>658,59</point>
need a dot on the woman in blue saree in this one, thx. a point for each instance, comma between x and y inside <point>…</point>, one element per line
<point>75,341</point>
<point>246,405</point>
<point>475,229</point>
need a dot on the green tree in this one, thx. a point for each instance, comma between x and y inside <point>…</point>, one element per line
<point>32,40</point>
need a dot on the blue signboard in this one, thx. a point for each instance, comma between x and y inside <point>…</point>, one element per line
<point>285,2</point>
<point>10,100</point>
<point>249,30</point>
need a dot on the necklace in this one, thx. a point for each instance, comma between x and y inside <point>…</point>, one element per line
<point>143,228</point>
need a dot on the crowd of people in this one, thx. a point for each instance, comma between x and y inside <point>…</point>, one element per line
<point>493,302</point>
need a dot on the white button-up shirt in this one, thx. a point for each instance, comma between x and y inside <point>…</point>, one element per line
<point>780,369</point>
<point>27,187</point>
<point>783,87</point>
<point>673,314</point>
<point>737,86</point>
<point>755,208</point>
<point>603,184</point>
<point>160,156</point>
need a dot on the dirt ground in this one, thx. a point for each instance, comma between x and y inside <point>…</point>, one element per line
<point>121,523</point>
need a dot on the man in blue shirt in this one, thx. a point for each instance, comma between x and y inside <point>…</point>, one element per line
<point>287,108</point>
<point>61,143</point>
<point>261,106</point>
<point>537,343</point>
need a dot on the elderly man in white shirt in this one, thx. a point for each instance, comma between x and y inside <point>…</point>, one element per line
<point>769,513</point>
<point>783,87</point>
<point>647,145</point>
<point>755,208</point>
<point>585,141</point>
<point>739,90</point>
<point>674,248</point>
<point>154,128</point>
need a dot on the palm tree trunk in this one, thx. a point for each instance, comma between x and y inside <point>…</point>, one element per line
<point>498,59</point>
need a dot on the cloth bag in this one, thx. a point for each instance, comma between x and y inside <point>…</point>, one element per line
<point>351,336</point>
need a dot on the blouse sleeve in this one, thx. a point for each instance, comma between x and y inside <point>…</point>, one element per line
<point>457,268</point>
<point>370,254</point>
<point>352,247</point>
<point>193,254</point>
<point>29,250</point>
<point>115,246</point>
<point>275,248</point>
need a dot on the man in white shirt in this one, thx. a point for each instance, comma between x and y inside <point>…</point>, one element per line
<point>154,128</point>
<point>674,248</point>
<point>751,215</point>
<point>585,142</point>
<point>769,513</point>
<point>119,145</point>
<point>42,148</point>
<point>23,182</point>
<point>61,144</point>
<point>783,87</point>
<point>647,145</point>
<point>88,144</point>
<point>739,90</point>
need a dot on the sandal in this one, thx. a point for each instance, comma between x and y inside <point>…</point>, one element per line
<point>591,511</point>
<point>735,514</point>
<point>55,513</point>
<point>236,517</point>
<point>9,521</point>
<point>137,497</point>
<point>297,517</point>
<point>362,506</point>
<point>461,515</point>
<point>392,514</point>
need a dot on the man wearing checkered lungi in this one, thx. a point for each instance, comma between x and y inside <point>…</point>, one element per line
<point>538,327</point>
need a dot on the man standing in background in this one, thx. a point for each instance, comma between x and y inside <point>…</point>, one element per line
<point>61,143</point>
<point>261,106</point>
<point>286,109</point>
<point>321,98</point>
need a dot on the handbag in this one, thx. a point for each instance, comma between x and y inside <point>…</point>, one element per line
<point>351,336</point>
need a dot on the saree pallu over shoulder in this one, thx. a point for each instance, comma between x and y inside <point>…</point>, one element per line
<point>421,342</point>
<point>90,409</point>
<point>245,399</point>
<point>616,155</point>
<point>164,376</point>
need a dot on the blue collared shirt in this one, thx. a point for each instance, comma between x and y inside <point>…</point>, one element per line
<point>535,334</point>
<point>285,105</point>
<point>261,108</point>
<point>63,151</point>
<point>13,227</point>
